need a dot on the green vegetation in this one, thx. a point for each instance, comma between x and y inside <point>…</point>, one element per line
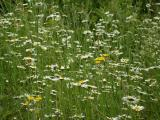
<point>82,60</point>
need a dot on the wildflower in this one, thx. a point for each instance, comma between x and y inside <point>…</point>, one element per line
<point>105,55</point>
<point>26,103</point>
<point>13,40</point>
<point>29,60</point>
<point>30,50</point>
<point>44,48</point>
<point>148,5</point>
<point>53,67</point>
<point>124,60</point>
<point>84,21</point>
<point>82,81</point>
<point>36,44</point>
<point>102,58</point>
<point>137,108</point>
<point>33,66</point>
<point>30,98</point>
<point>116,118</point>
<point>97,62</point>
<point>87,32</point>
<point>37,98</point>
<point>21,67</point>
<point>78,116</point>
<point>88,98</point>
<point>56,16</point>
<point>34,98</point>
<point>31,110</point>
<point>54,78</point>
<point>130,99</point>
<point>86,56</point>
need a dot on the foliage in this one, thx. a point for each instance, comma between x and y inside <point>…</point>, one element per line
<point>79,60</point>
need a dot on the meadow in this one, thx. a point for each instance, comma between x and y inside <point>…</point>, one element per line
<point>78,61</point>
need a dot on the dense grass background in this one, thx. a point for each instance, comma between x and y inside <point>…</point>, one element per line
<point>83,60</point>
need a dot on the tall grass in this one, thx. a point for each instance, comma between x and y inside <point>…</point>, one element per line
<point>75,60</point>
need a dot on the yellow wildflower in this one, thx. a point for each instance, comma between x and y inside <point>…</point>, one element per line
<point>97,62</point>
<point>37,98</point>
<point>82,81</point>
<point>30,98</point>
<point>34,98</point>
<point>105,55</point>
<point>26,103</point>
<point>100,59</point>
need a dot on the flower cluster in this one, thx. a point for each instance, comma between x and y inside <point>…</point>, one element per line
<point>101,59</point>
<point>32,99</point>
